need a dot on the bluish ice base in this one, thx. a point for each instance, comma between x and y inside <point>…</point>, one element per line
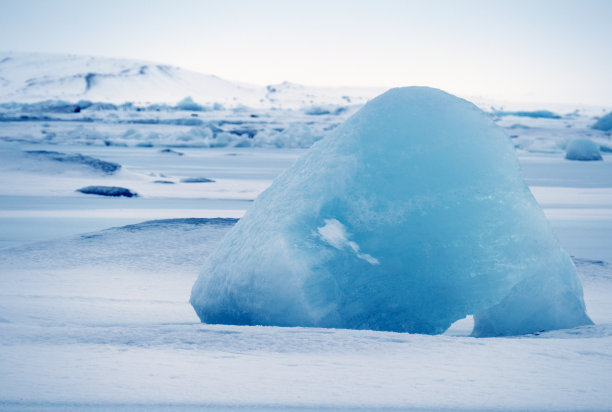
<point>409,216</point>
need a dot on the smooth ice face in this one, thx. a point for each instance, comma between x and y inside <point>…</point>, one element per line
<point>409,216</point>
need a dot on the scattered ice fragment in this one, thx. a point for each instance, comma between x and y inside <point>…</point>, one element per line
<point>317,110</point>
<point>431,189</point>
<point>605,123</point>
<point>197,180</point>
<point>536,114</point>
<point>114,191</point>
<point>75,158</point>
<point>188,104</point>
<point>583,149</point>
<point>170,151</point>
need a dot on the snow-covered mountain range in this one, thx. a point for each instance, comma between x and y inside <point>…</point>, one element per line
<point>33,77</point>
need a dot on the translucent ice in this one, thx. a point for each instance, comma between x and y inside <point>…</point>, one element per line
<point>407,217</point>
<point>583,149</point>
<point>605,123</point>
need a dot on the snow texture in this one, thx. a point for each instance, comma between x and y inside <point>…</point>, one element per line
<point>583,149</point>
<point>112,191</point>
<point>409,216</point>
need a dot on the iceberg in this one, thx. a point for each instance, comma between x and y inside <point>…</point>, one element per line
<point>407,217</point>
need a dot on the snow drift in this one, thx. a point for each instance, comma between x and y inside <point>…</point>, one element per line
<point>409,216</point>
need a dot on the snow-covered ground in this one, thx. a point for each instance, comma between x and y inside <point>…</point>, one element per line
<point>94,290</point>
<point>103,318</point>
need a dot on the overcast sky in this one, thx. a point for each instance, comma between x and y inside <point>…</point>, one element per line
<point>544,51</point>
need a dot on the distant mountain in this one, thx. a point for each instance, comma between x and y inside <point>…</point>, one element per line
<point>33,77</point>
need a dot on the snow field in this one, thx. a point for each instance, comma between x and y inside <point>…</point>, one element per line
<point>116,330</point>
<point>102,321</point>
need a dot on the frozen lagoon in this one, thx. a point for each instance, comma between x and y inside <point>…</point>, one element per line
<point>102,321</point>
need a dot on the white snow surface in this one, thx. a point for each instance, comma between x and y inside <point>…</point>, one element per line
<point>95,319</point>
<point>101,321</point>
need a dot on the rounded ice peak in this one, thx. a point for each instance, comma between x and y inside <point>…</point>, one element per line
<point>409,216</point>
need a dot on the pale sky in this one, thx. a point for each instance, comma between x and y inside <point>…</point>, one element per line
<point>541,51</point>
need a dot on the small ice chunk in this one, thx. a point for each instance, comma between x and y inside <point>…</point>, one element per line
<point>170,151</point>
<point>583,149</point>
<point>197,180</point>
<point>188,104</point>
<point>113,191</point>
<point>535,114</point>
<point>605,123</point>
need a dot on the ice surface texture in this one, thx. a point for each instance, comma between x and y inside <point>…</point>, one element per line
<point>583,149</point>
<point>409,216</point>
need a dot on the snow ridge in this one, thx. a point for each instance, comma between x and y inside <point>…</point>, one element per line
<point>33,77</point>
